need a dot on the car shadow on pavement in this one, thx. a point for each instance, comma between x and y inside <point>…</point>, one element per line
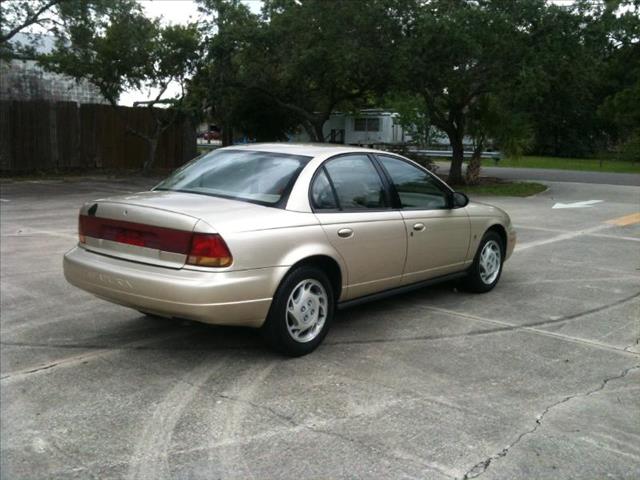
<point>369,319</point>
<point>146,332</point>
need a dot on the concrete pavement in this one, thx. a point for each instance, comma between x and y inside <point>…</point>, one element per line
<point>537,379</point>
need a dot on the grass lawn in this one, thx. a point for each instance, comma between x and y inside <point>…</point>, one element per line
<point>503,189</point>
<point>590,164</point>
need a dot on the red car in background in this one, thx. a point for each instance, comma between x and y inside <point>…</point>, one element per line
<point>210,135</point>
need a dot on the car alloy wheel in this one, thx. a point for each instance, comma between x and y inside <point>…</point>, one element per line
<point>486,269</point>
<point>301,312</point>
<point>306,310</point>
<point>490,262</point>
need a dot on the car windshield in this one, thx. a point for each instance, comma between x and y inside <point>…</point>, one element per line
<point>259,177</point>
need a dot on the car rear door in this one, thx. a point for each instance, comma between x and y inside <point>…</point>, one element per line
<point>437,235</point>
<point>351,200</point>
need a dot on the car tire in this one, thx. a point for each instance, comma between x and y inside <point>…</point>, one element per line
<point>301,312</point>
<point>487,264</point>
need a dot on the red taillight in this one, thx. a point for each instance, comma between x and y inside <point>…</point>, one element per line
<point>209,250</point>
<point>130,237</point>
<point>205,250</point>
<point>137,234</point>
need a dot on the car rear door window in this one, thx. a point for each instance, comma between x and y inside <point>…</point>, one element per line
<point>357,183</point>
<point>322,194</point>
<point>416,188</point>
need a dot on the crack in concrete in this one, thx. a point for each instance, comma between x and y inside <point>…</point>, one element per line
<point>481,467</point>
<point>545,323</point>
<point>586,312</point>
<point>99,350</point>
<point>502,327</point>
<point>86,356</point>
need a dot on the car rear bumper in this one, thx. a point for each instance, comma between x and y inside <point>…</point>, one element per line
<point>222,298</point>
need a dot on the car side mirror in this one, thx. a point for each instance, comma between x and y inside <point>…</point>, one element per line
<point>459,200</point>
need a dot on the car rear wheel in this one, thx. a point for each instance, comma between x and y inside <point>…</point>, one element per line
<point>487,264</point>
<point>301,312</point>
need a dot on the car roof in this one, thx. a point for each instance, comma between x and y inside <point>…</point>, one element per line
<point>308,149</point>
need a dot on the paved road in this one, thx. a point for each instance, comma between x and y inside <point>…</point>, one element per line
<point>537,379</point>
<point>552,175</point>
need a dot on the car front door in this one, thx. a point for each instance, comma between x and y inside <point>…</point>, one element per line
<point>437,235</point>
<point>353,205</point>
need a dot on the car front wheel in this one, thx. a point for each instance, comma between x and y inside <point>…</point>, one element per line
<point>301,312</point>
<point>487,264</point>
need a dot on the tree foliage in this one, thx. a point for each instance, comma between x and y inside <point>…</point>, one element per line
<point>307,57</point>
<point>458,54</point>
<point>580,58</point>
<point>18,15</point>
<point>114,46</point>
<point>519,75</point>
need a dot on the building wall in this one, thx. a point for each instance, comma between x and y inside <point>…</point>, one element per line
<point>26,80</point>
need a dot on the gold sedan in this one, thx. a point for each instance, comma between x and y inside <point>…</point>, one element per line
<point>276,236</point>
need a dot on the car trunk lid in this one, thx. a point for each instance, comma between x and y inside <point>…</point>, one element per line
<point>139,228</point>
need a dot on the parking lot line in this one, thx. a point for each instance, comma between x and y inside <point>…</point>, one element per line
<point>561,237</point>
<point>558,230</point>
<point>626,220</point>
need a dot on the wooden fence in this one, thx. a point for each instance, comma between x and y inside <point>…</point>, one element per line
<point>58,136</point>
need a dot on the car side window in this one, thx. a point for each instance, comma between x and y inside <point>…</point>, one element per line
<point>357,183</point>
<point>322,194</point>
<point>417,189</point>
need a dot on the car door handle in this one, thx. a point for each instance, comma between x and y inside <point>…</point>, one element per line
<point>345,232</point>
<point>418,227</point>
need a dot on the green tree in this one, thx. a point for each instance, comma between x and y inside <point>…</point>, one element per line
<point>308,57</point>
<point>412,116</point>
<point>490,121</point>
<point>580,57</point>
<point>620,109</point>
<point>456,53</point>
<point>560,91</point>
<point>18,15</point>
<point>229,27</point>
<point>116,48</point>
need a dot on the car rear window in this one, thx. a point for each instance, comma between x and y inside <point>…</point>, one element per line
<point>260,177</point>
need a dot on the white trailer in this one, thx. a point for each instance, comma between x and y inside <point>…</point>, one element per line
<point>371,127</point>
<point>367,127</point>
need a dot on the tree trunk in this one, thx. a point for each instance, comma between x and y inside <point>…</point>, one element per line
<point>314,130</point>
<point>319,133</point>
<point>308,128</point>
<point>227,135</point>
<point>151,158</point>
<point>457,157</point>
<point>472,176</point>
